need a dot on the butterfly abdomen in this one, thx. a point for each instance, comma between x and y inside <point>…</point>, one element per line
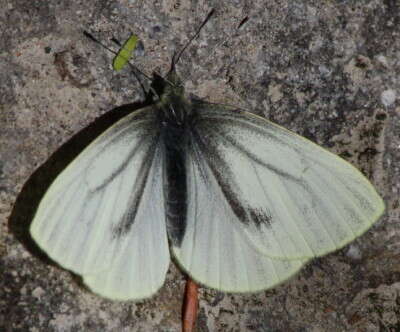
<point>174,124</point>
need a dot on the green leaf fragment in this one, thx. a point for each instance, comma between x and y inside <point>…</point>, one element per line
<point>125,53</point>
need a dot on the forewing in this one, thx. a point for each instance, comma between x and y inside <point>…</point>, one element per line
<point>292,198</point>
<point>213,250</point>
<point>103,217</point>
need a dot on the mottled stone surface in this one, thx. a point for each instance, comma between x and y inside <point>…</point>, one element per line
<point>329,70</point>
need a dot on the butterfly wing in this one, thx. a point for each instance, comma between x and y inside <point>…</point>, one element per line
<point>103,217</point>
<point>214,251</point>
<point>263,200</point>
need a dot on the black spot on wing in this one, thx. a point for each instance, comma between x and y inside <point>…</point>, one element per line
<point>224,176</point>
<point>260,217</point>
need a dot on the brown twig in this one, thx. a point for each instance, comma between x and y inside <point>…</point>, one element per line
<point>190,307</point>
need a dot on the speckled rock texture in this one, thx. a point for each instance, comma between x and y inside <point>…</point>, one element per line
<point>326,69</point>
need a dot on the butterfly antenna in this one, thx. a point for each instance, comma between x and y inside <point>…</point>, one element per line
<point>240,26</point>
<point>116,41</point>
<point>135,69</point>
<point>91,37</point>
<point>177,56</point>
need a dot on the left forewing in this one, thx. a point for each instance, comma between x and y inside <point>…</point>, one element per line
<point>103,217</point>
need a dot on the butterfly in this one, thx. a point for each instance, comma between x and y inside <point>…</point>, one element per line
<point>240,203</point>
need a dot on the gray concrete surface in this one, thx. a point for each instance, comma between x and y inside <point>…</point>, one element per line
<point>326,69</point>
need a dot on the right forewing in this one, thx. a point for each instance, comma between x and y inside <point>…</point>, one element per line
<point>292,198</point>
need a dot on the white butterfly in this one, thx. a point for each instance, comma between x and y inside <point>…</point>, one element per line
<point>241,203</point>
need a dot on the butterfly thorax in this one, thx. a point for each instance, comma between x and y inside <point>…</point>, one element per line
<point>175,117</point>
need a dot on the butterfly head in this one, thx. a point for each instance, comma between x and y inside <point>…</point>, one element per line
<point>171,85</point>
